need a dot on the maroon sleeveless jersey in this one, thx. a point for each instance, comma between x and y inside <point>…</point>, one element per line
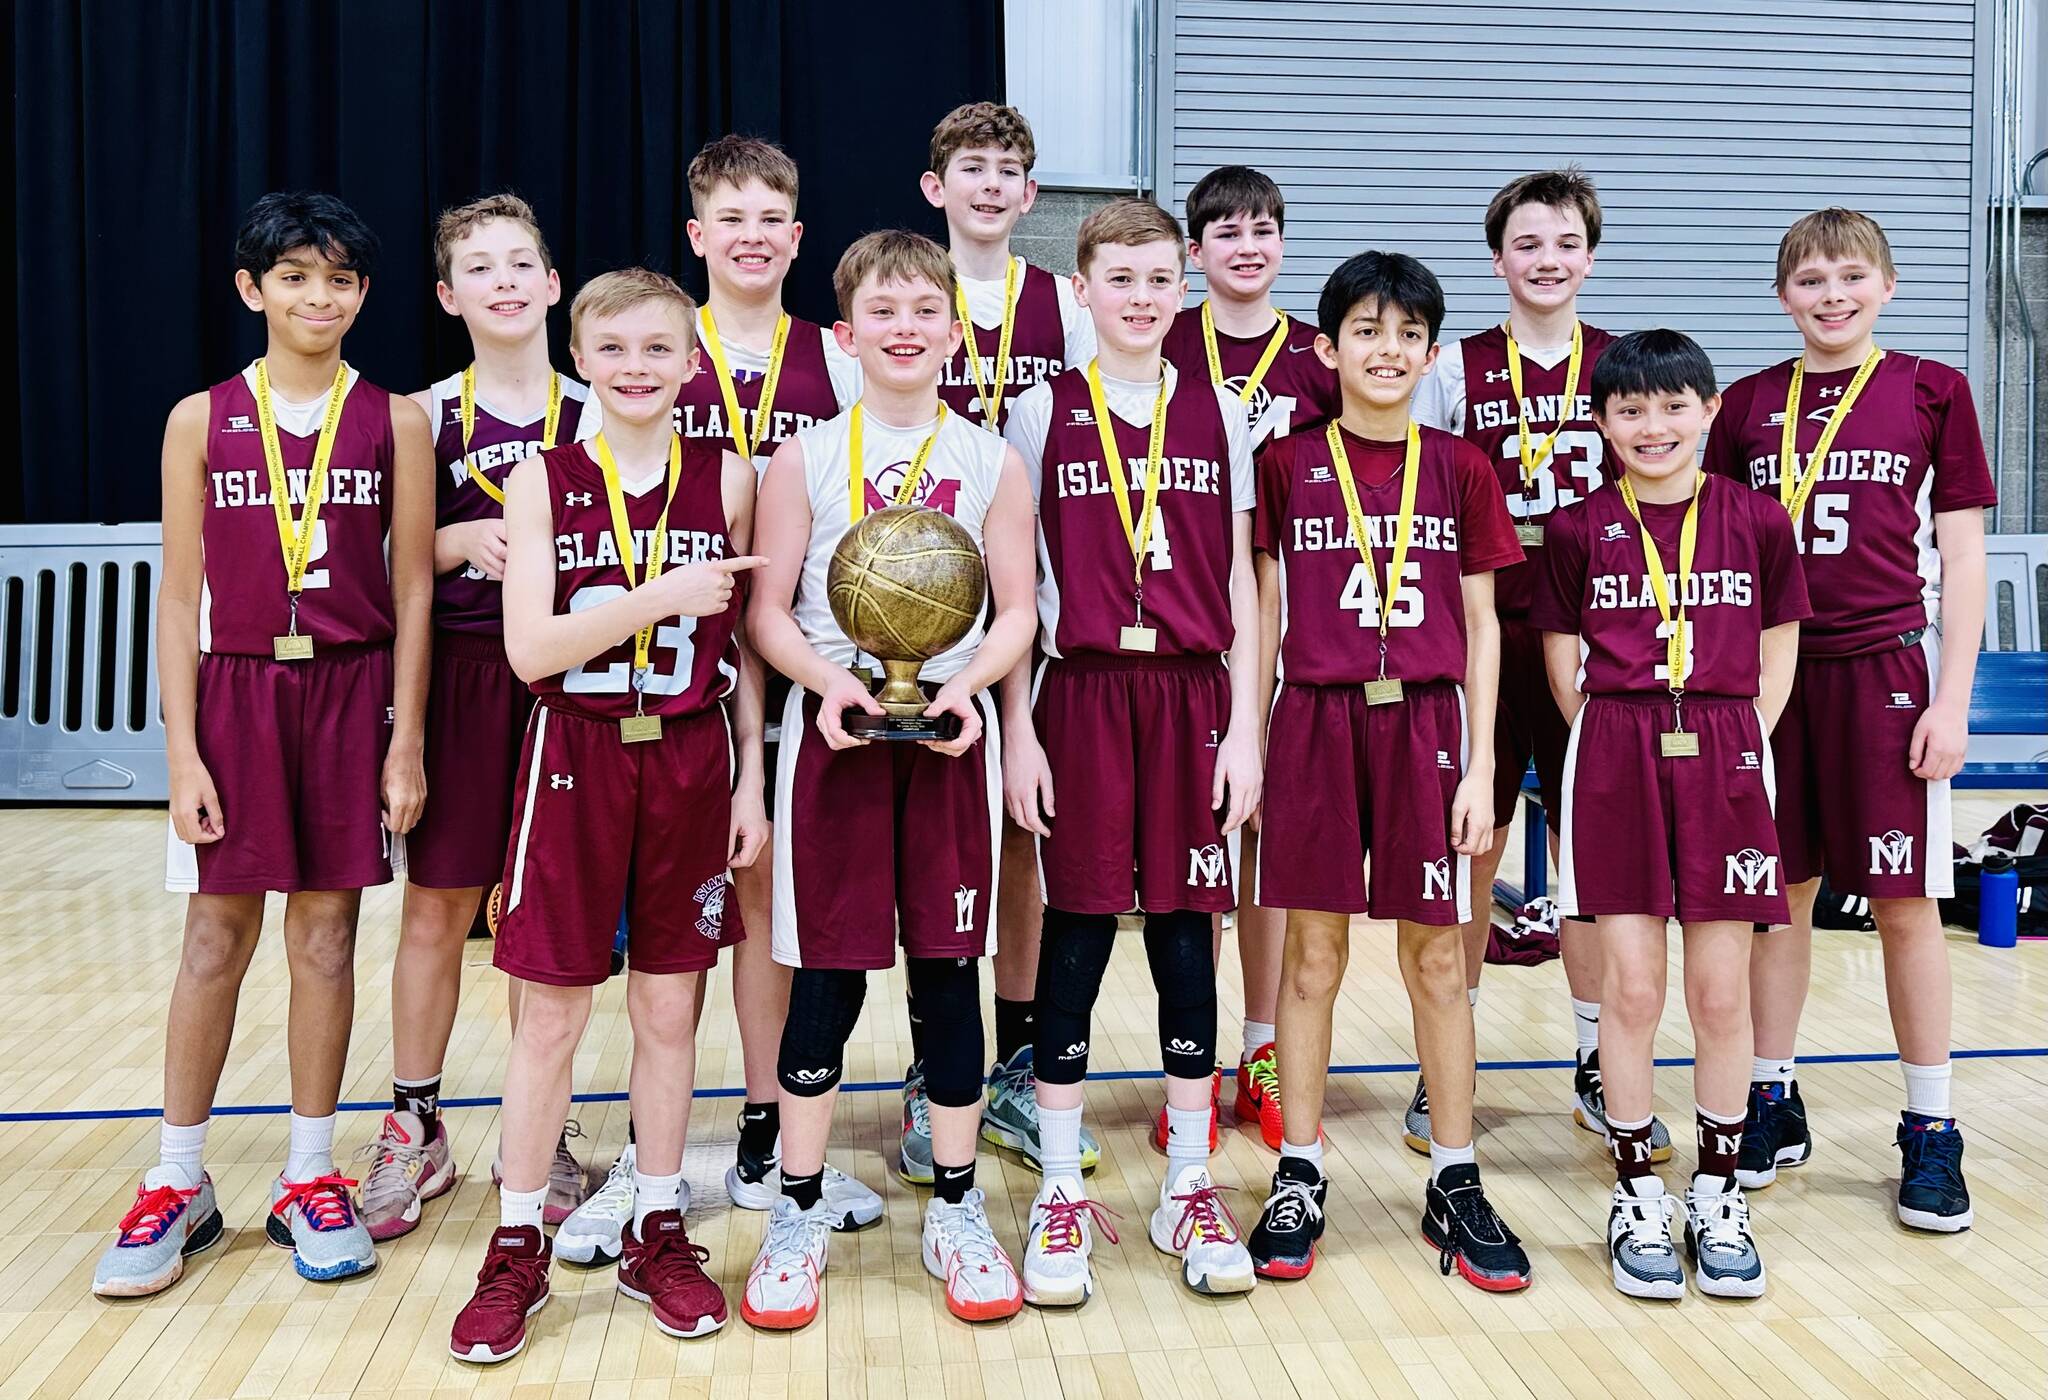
<point>803,395</point>
<point>464,600</point>
<point>1085,592</point>
<point>1038,351</point>
<point>1592,580</point>
<point>1577,465</point>
<point>1329,606</point>
<point>1911,448</point>
<point>1298,388</point>
<point>346,594</point>
<point>694,660</point>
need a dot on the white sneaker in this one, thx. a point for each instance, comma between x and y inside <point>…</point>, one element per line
<point>783,1286</point>
<point>1193,1222</point>
<point>850,1204</point>
<point>593,1235</point>
<point>1057,1241</point>
<point>959,1247</point>
<point>1725,1261</point>
<point>1645,1262</point>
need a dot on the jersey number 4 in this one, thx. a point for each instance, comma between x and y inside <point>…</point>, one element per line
<point>1360,597</point>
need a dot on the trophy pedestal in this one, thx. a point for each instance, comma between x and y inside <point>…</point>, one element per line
<point>904,703</point>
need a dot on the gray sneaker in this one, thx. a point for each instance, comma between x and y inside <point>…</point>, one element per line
<point>1639,1243</point>
<point>1415,1123</point>
<point>1589,1107</point>
<point>164,1227</point>
<point>316,1220</point>
<point>1009,1117</point>
<point>914,1161</point>
<point>1717,1238</point>
<point>406,1169</point>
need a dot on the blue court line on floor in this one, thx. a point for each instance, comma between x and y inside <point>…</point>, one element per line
<point>879,1086</point>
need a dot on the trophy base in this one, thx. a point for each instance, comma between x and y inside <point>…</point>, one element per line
<point>903,728</point>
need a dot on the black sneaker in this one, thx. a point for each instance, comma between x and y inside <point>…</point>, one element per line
<point>1283,1243</point>
<point>1774,1134</point>
<point>1459,1220</point>
<point>1932,1195</point>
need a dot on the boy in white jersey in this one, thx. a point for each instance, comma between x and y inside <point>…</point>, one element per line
<point>881,842</point>
<point>1021,325</point>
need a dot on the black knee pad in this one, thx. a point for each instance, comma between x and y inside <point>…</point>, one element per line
<point>1072,957</point>
<point>947,992</point>
<point>824,1002</point>
<point>1181,949</point>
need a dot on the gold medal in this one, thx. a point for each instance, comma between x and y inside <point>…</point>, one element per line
<point>1529,533</point>
<point>296,539</point>
<point>745,441</point>
<point>638,729</point>
<point>1138,639</point>
<point>991,398</point>
<point>1679,743</point>
<point>1384,691</point>
<point>293,646</point>
<point>552,422</point>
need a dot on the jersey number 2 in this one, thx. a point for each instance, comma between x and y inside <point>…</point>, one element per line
<point>598,677</point>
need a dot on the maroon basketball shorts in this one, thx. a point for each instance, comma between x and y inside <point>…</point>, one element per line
<point>881,841</point>
<point>296,751</point>
<point>1687,838</point>
<point>1526,725</point>
<point>598,824</point>
<point>1132,747</point>
<point>476,721</point>
<point>1848,803</point>
<point>1348,782</point>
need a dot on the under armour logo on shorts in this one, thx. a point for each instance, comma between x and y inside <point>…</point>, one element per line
<point>559,781</point>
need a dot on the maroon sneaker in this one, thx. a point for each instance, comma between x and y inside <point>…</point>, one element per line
<point>667,1274</point>
<point>511,1287</point>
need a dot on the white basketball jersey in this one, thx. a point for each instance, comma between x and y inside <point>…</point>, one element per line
<point>959,478</point>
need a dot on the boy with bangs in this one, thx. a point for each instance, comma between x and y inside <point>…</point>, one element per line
<point>1876,456</point>
<point>1670,607</point>
<point>292,640</point>
<point>878,843</point>
<point>1020,326</point>
<point>1137,758</point>
<point>510,403</point>
<point>1378,541</point>
<point>1236,220</point>
<point>620,612</point>
<point>1519,391</point>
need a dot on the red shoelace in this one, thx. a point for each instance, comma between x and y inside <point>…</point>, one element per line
<point>324,1201</point>
<point>674,1261</point>
<point>154,1210</point>
<point>507,1280</point>
<point>1063,1221</point>
<point>1202,1212</point>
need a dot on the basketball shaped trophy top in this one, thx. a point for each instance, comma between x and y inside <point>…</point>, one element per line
<point>905,583</point>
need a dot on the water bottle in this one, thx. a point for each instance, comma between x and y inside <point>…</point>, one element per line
<point>1998,903</point>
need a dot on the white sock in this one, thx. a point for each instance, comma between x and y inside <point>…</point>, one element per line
<point>1472,997</point>
<point>1059,1142</point>
<point>1257,1036</point>
<point>521,1207</point>
<point>1312,1154</point>
<point>652,1193</point>
<point>1765,1070</point>
<point>1441,1157</point>
<point>1187,1139</point>
<point>1586,1026</point>
<point>1927,1088</point>
<point>312,1148</point>
<point>181,1153</point>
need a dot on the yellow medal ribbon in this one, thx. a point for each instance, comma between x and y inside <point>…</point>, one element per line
<point>991,400</point>
<point>296,540</point>
<point>1532,462</point>
<point>1258,375</point>
<point>1404,523</point>
<point>547,433</point>
<point>1791,496</point>
<point>746,442</point>
<point>622,535</point>
<point>1138,532</point>
<point>1660,586</point>
<point>856,464</point>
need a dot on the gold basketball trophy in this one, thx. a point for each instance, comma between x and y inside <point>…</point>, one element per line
<point>905,584</point>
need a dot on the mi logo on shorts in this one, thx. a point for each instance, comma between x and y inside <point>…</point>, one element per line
<point>576,498</point>
<point>1498,376</point>
<point>963,909</point>
<point>561,781</point>
<point>1756,872</point>
<point>1891,853</point>
<point>710,899</point>
<point>1206,865</point>
<point>1436,878</point>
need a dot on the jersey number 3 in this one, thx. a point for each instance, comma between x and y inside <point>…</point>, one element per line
<point>599,677</point>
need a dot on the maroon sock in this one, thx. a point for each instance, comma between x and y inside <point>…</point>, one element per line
<point>1720,1141</point>
<point>1630,1148</point>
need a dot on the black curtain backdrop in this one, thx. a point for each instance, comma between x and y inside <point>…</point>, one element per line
<point>143,128</point>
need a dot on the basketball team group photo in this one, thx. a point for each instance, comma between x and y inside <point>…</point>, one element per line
<point>1098,697</point>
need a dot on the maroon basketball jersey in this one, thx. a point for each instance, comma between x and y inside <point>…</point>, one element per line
<point>1592,580</point>
<point>1038,351</point>
<point>1329,607</point>
<point>1298,388</point>
<point>1577,465</point>
<point>465,600</point>
<point>803,394</point>
<point>694,660</point>
<point>346,595</point>
<point>1085,589</point>
<point>1910,448</point>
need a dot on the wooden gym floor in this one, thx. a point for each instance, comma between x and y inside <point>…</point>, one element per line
<point>1857,1305</point>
